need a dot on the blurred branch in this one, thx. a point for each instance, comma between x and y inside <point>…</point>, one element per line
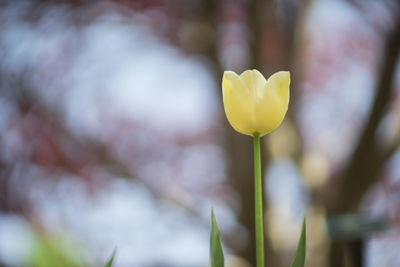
<point>366,161</point>
<point>52,145</point>
<point>362,169</point>
<point>386,154</point>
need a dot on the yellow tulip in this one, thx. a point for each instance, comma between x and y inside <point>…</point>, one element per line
<point>253,104</point>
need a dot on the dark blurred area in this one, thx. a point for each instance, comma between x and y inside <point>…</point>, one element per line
<point>112,132</point>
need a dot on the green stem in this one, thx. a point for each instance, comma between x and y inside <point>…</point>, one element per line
<point>258,202</point>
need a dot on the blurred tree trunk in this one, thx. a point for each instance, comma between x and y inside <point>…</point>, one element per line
<point>258,12</point>
<point>238,150</point>
<point>241,173</point>
<point>239,147</point>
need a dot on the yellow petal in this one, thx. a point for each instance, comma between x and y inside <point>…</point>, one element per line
<point>254,81</point>
<point>272,105</point>
<point>280,82</point>
<point>238,103</point>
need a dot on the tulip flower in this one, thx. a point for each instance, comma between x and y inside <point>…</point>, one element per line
<point>253,104</point>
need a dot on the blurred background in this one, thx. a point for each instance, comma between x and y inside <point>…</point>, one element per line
<point>113,135</point>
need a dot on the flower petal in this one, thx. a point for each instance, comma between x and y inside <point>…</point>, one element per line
<point>238,103</point>
<point>271,107</point>
<point>279,82</point>
<point>254,81</point>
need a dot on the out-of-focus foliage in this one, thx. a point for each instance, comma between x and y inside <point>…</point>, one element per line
<point>50,251</point>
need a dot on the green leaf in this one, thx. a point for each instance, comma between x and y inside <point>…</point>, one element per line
<point>300,257</point>
<point>110,261</point>
<point>216,253</point>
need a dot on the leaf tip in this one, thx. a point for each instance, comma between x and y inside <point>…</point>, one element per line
<point>111,260</point>
<point>300,256</point>
<point>216,252</point>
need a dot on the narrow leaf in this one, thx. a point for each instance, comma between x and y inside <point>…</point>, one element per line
<point>300,257</point>
<point>110,261</point>
<point>216,253</point>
